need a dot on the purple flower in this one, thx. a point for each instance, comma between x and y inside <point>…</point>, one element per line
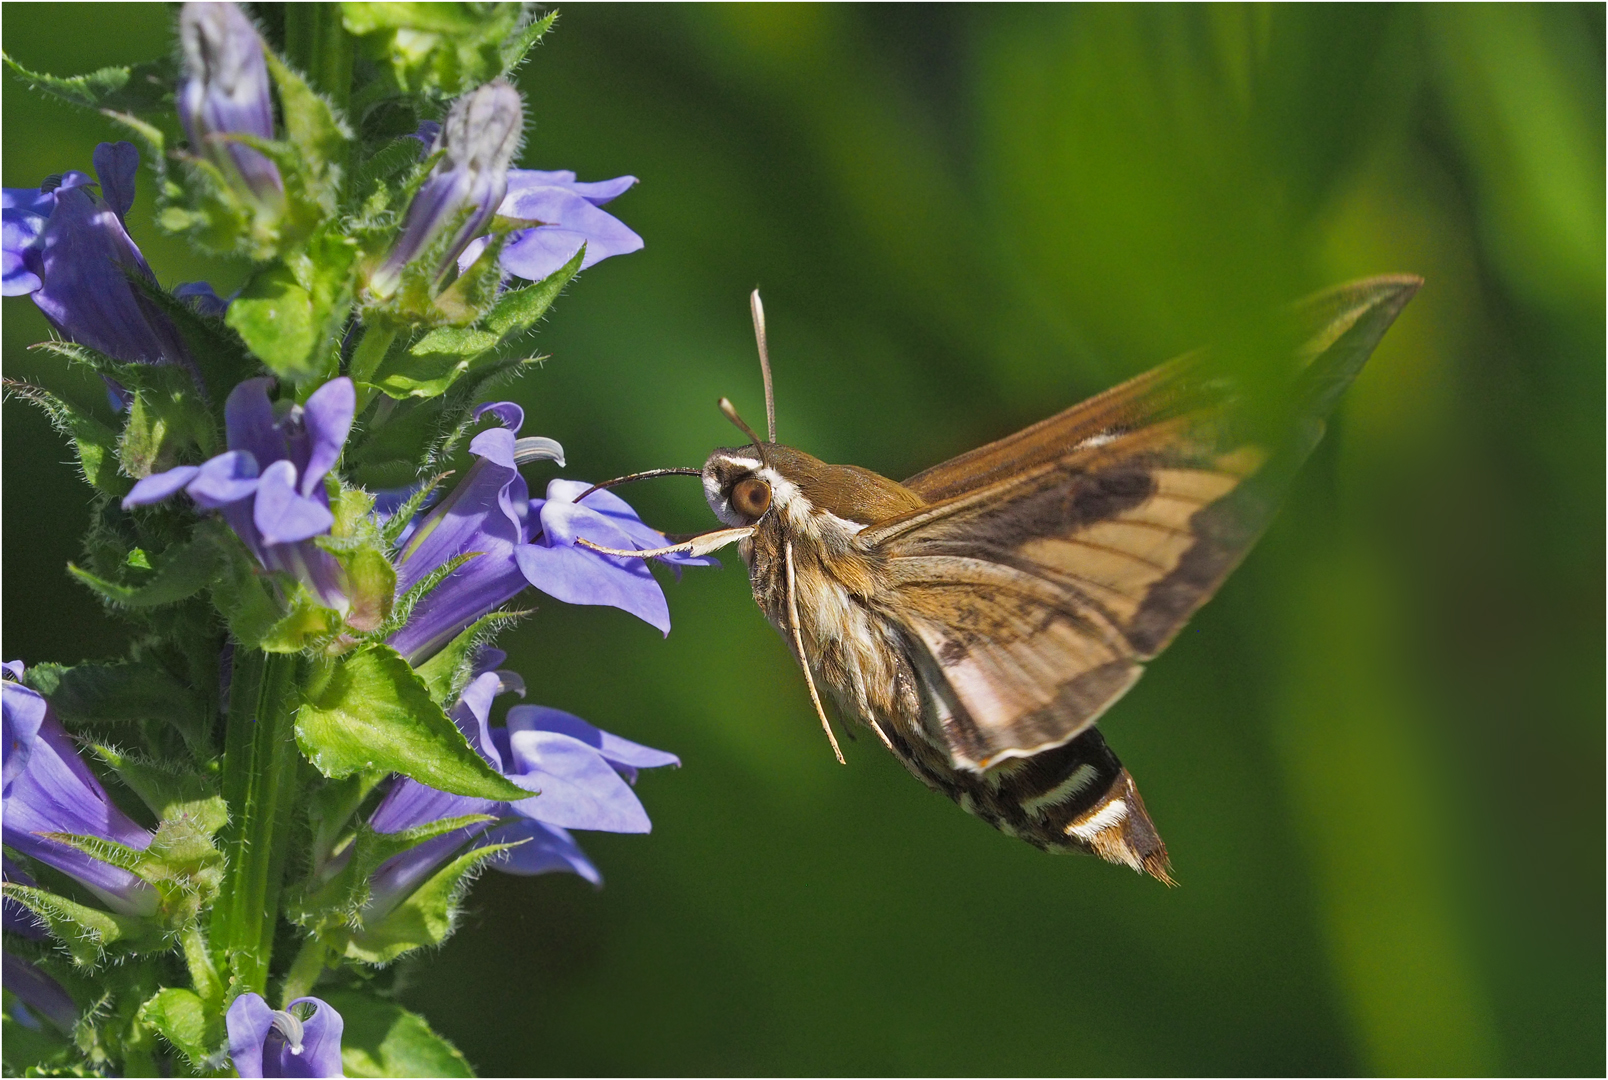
<point>464,189</point>
<point>583,776</point>
<point>225,92</point>
<point>522,542</point>
<point>54,792</point>
<point>201,296</point>
<point>301,1040</point>
<point>269,485</point>
<point>67,247</point>
<point>39,993</point>
<point>568,211</point>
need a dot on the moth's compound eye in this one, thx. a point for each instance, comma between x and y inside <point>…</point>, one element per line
<point>751,497</point>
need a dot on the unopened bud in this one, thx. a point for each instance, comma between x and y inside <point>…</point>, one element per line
<point>225,92</point>
<point>478,143</point>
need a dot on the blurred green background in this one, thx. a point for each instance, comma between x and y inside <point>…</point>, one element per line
<point>1377,757</point>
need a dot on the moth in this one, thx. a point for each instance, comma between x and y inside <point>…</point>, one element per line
<point>980,617</point>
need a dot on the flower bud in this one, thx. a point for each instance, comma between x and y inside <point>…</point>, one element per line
<point>225,92</point>
<point>479,140</point>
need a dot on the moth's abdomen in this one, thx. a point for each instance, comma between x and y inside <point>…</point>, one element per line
<point>1076,797</point>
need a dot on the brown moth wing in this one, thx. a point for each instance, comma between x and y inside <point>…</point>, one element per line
<point>1049,564</point>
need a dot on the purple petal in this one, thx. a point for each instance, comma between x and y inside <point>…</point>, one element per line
<point>568,221</point>
<point>202,297</point>
<point>116,164</point>
<point>596,192</point>
<point>577,788</point>
<point>84,256</point>
<point>281,515</point>
<point>39,992</point>
<point>328,419</point>
<point>224,480</point>
<point>22,711</point>
<point>511,415</point>
<point>22,220</point>
<point>619,513</point>
<point>615,749</point>
<point>249,418</point>
<point>473,712</point>
<point>248,1021</point>
<point>320,1053</point>
<point>578,576</point>
<point>159,486</point>
<point>409,804</point>
<point>485,582</point>
<point>542,849</point>
<point>56,792</point>
<point>495,445</point>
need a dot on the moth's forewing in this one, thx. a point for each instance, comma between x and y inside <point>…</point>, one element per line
<point>1047,565</point>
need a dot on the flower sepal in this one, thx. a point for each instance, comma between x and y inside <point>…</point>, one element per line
<point>268,610</point>
<point>425,918</point>
<point>334,901</point>
<point>90,935</point>
<point>462,357</point>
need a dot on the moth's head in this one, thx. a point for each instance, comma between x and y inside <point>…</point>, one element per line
<point>742,487</point>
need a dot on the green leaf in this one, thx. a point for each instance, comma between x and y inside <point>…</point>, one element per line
<point>180,1017</point>
<point>141,88</point>
<point>518,47</point>
<point>374,713</point>
<point>519,310</point>
<point>94,442</point>
<point>383,1039</point>
<point>311,125</point>
<point>85,931</point>
<point>274,316</point>
<point>172,791</point>
<point>179,573</point>
<point>271,612</point>
<point>425,918</point>
<point>116,693</point>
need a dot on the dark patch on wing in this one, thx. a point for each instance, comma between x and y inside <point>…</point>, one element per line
<point>1072,501</point>
<point>953,652</point>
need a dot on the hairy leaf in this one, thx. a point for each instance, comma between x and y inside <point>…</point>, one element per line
<point>383,1039</point>
<point>374,713</point>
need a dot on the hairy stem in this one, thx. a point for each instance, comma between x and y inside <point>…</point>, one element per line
<point>259,781</point>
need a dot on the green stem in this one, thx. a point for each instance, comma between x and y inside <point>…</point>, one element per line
<point>366,359</point>
<point>316,41</point>
<point>260,760</point>
<point>311,959</point>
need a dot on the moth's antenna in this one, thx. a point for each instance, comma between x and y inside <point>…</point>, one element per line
<point>731,414</point>
<point>632,477</point>
<point>757,308</point>
<point>804,661</point>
